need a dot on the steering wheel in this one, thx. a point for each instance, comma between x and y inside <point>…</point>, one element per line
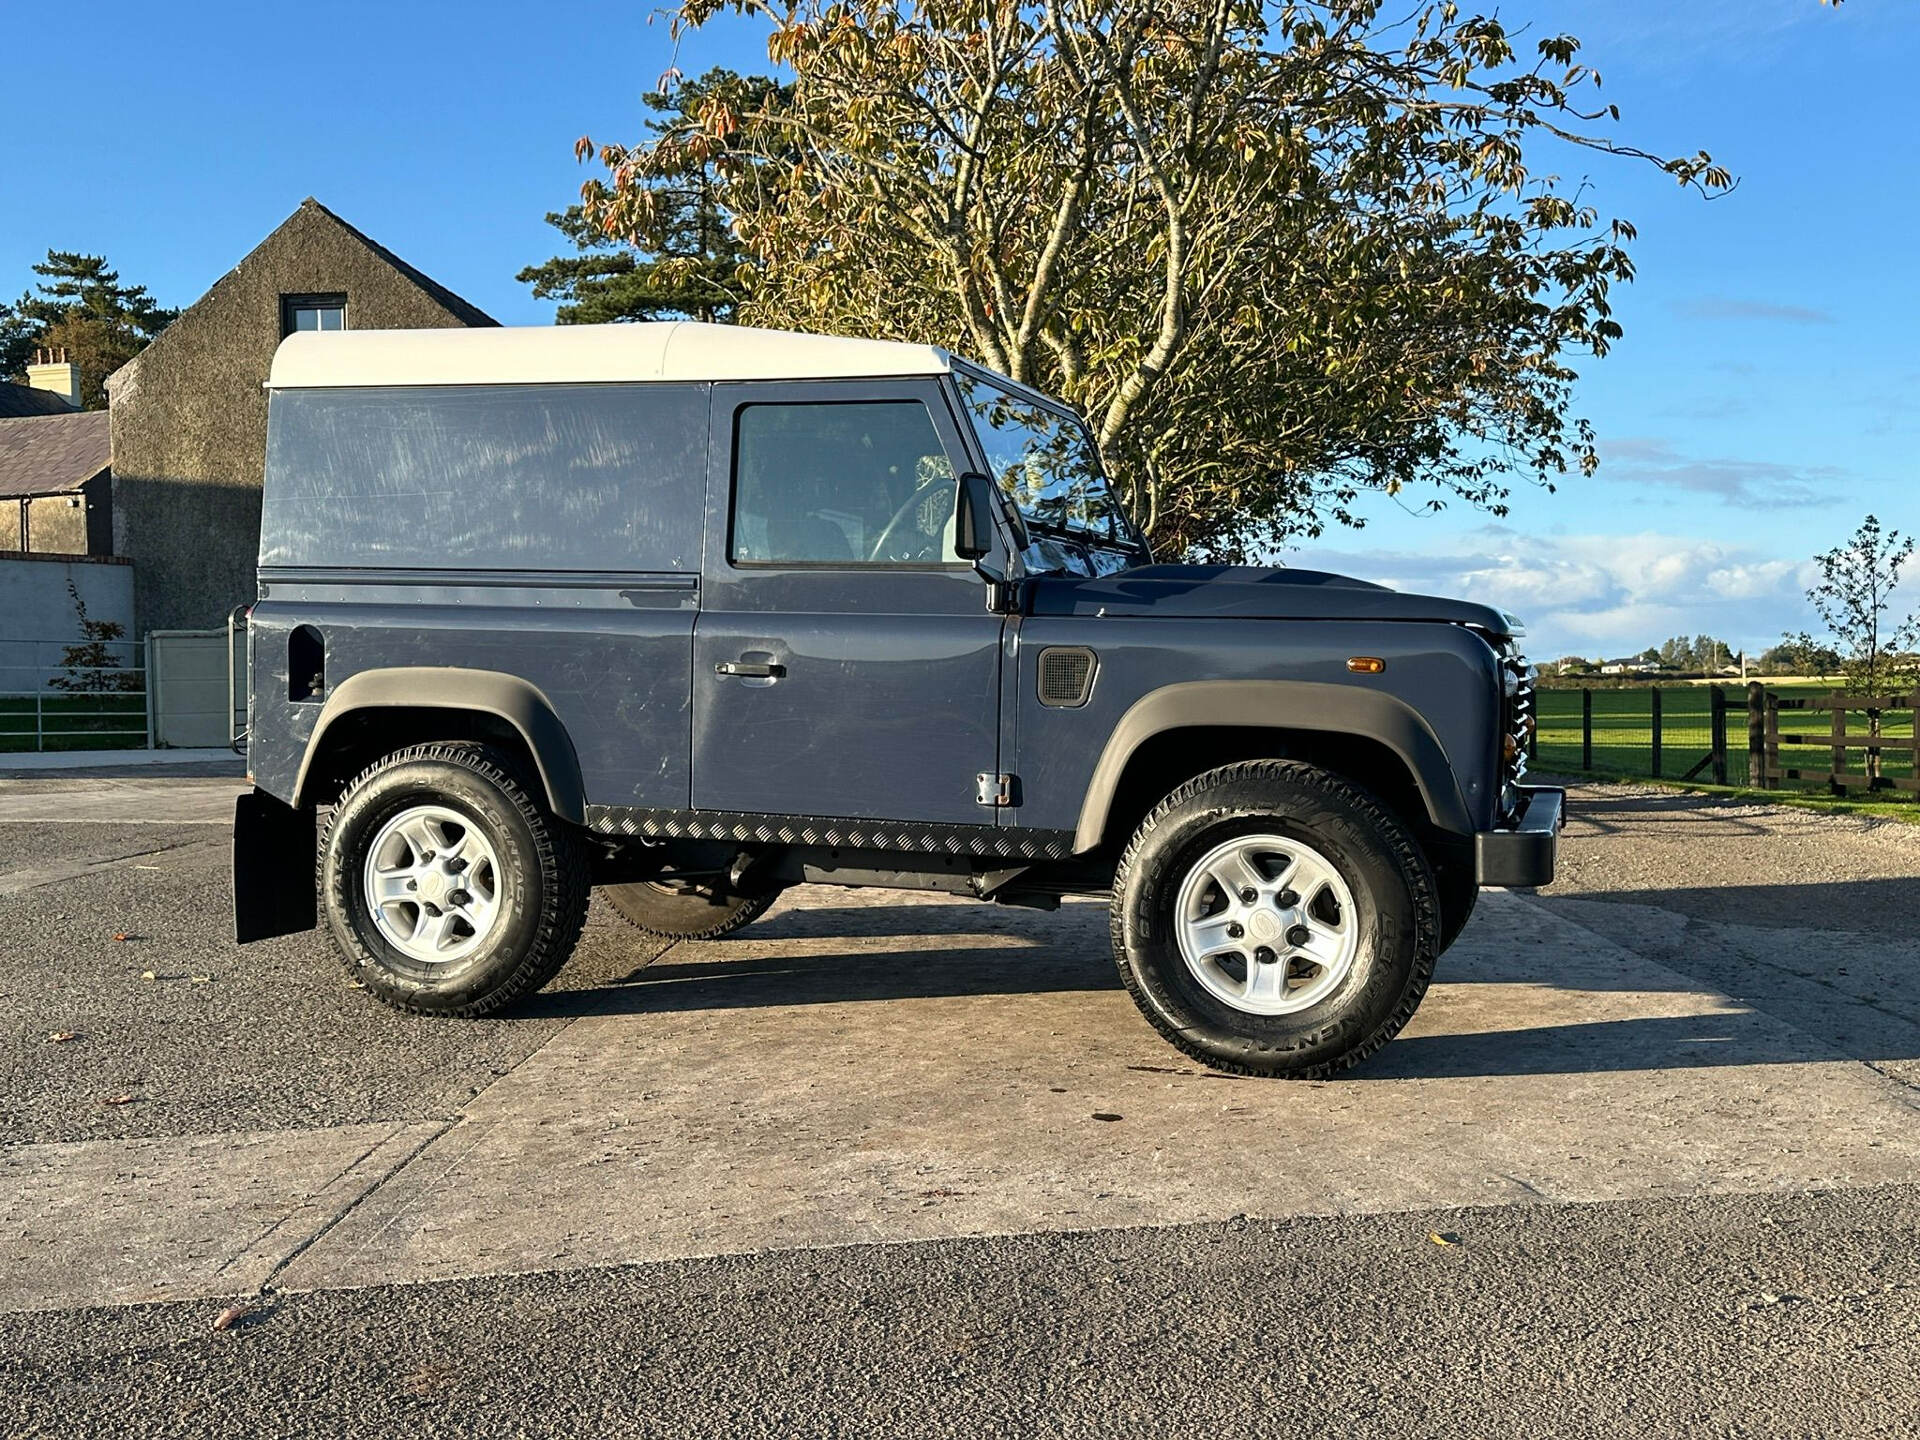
<point>886,531</point>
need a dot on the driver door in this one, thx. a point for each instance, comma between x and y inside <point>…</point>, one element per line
<point>845,663</point>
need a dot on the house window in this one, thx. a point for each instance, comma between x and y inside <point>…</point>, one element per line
<point>312,312</point>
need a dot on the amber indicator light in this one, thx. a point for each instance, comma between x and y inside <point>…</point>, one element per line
<point>1366,664</point>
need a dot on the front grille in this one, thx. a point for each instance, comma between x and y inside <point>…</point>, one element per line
<point>1518,721</point>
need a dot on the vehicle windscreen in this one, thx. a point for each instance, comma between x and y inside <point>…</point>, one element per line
<point>1044,460</point>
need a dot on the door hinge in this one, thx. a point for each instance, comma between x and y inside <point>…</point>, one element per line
<point>998,791</point>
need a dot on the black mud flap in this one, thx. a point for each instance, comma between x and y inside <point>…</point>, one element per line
<point>272,869</point>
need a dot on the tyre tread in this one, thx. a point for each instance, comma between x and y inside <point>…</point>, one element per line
<point>555,849</point>
<point>739,919</point>
<point>1408,855</point>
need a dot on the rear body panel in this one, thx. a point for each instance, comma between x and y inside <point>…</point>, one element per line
<point>610,656</point>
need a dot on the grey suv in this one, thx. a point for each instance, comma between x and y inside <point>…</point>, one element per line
<point>695,613</point>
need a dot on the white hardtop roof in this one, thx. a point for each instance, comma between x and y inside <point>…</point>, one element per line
<point>587,354</point>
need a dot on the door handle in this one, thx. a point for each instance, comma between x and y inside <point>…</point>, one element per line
<point>747,669</point>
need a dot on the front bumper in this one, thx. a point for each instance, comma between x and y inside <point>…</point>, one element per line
<point>1522,854</point>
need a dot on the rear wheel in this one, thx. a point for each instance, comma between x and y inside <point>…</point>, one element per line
<point>448,888</point>
<point>1270,918</point>
<point>676,910</point>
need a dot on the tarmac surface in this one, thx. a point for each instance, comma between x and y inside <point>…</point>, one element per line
<point>850,1172</point>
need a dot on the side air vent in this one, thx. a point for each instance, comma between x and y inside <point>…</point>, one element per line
<point>1066,676</point>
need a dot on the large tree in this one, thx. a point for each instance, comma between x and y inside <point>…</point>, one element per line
<point>1279,251</point>
<point>81,307</point>
<point>684,259</point>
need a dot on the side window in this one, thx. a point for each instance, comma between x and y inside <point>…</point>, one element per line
<point>830,483</point>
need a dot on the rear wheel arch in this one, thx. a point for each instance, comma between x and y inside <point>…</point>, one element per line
<point>376,712</point>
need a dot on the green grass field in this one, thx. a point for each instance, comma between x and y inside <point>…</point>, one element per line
<point>74,722</point>
<point>1623,741</point>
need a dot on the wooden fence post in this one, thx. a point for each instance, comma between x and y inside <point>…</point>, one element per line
<point>1655,708</point>
<point>1586,730</point>
<point>1914,737</point>
<point>1837,731</point>
<point>1717,697</point>
<point>1757,735</point>
<point>1874,731</point>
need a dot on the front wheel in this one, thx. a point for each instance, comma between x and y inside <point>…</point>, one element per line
<point>1271,918</point>
<point>448,888</point>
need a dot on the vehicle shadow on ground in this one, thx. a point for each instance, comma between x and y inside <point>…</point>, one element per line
<point>678,982</point>
<point>1668,1042</point>
<point>1058,958</point>
<point>1883,907</point>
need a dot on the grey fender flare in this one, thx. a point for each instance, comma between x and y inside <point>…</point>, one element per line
<point>489,692</point>
<point>1277,705</point>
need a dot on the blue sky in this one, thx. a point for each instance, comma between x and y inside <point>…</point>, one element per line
<point>1762,401</point>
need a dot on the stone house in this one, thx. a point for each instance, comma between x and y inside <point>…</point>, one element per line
<point>55,482</point>
<point>189,414</point>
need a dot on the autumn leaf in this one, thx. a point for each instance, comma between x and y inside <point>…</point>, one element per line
<point>235,1313</point>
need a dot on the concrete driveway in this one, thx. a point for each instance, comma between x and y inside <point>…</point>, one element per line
<point>1717,1003</point>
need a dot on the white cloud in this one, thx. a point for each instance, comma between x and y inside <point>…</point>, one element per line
<point>1723,307</point>
<point>1662,36</point>
<point>1589,594</point>
<point>1649,460</point>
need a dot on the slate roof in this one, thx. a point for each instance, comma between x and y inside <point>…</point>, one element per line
<point>16,400</point>
<point>53,454</point>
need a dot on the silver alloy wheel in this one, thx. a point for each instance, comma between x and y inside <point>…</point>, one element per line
<point>1267,924</point>
<point>433,884</point>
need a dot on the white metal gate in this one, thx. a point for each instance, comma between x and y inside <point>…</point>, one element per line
<point>190,685</point>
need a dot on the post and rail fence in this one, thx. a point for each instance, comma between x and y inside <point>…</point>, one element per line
<point>171,689</point>
<point>1866,744</point>
<point>51,699</point>
<point>1888,744</point>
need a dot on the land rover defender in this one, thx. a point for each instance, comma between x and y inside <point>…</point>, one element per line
<point>692,613</point>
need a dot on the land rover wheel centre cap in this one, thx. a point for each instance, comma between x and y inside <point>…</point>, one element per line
<point>1267,924</point>
<point>432,884</point>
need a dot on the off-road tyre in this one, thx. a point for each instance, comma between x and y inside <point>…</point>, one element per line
<point>542,881</point>
<point>672,913</point>
<point>1391,883</point>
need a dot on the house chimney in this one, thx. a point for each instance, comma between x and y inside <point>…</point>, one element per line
<point>51,370</point>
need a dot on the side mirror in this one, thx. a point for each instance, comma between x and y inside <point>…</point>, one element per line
<point>973,517</point>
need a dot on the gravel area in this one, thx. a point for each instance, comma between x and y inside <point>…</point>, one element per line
<point>1744,1315</point>
<point>1741,863</point>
